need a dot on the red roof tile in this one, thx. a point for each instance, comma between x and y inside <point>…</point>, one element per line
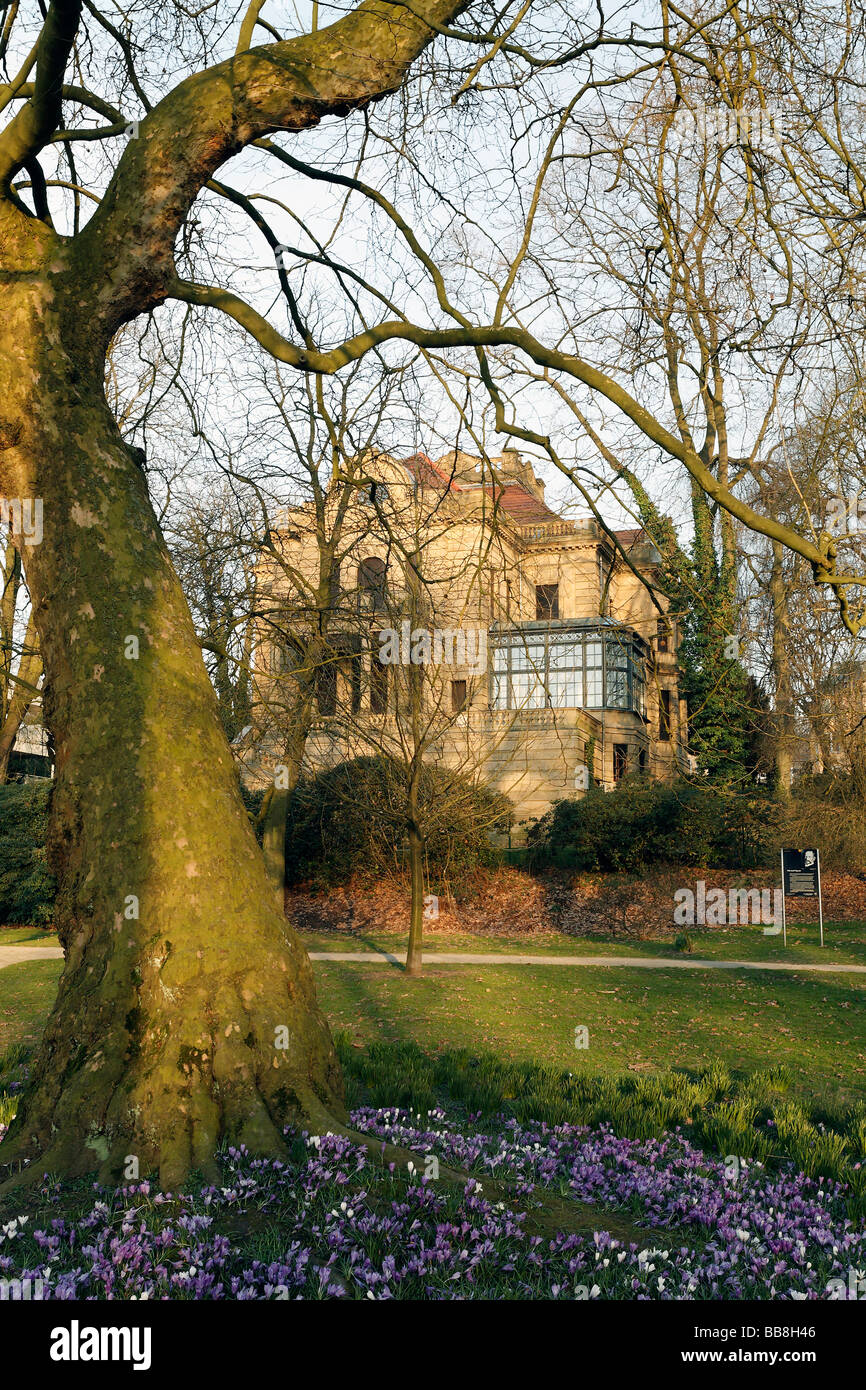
<point>517,502</point>
<point>427,474</point>
<point>513,498</point>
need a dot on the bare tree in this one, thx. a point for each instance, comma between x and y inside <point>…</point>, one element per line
<point>162,894</point>
<point>424,573</point>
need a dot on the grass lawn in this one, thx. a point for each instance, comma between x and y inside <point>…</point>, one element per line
<point>638,1022</point>
<point>482,1040</point>
<point>27,936</point>
<point>26,994</point>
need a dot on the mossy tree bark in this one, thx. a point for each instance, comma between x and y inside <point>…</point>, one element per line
<point>186,1012</point>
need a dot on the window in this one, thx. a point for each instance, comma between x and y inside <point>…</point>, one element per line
<point>620,761</point>
<point>663,637</point>
<point>458,696</point>
<point>616,672</point>
<point>665,716</point>
<point>355,678</point>
<point>285,656</point>
<point>518,674</point>
<point>578,668</point>
<point>592,653</point>
<point>378,686</point>
<point>371,585</point>
<point>605,570</point>
<point>546,602</point>
<point>326,688</point>
<point>641,762</point>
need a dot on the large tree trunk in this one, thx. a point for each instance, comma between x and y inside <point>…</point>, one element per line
<point>186,1013</point>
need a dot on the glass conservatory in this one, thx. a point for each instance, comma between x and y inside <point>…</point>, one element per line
<point>590,664</point>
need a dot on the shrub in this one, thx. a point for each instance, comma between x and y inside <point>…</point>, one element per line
<point>26,886</point>
<point>352,817</point>
<point>640,824</point>
<point>252,798</point>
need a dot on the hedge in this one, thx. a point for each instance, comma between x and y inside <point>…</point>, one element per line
<point>640,824</point>
<point>26,886</point>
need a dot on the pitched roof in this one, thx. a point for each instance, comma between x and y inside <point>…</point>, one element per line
<point>427,474</point>
<point>517,502</point>
<point>513,498</point>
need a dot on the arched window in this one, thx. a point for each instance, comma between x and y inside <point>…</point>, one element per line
<point>371,585</point>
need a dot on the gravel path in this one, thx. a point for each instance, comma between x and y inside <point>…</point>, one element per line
<point>11,955</point>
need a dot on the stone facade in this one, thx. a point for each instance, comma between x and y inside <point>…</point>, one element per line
<point>546,663</point>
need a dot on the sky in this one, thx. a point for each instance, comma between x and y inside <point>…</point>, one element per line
<point>460,167</point>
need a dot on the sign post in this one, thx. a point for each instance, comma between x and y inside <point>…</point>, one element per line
<point>801,878</point>
<point>820,904</point>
